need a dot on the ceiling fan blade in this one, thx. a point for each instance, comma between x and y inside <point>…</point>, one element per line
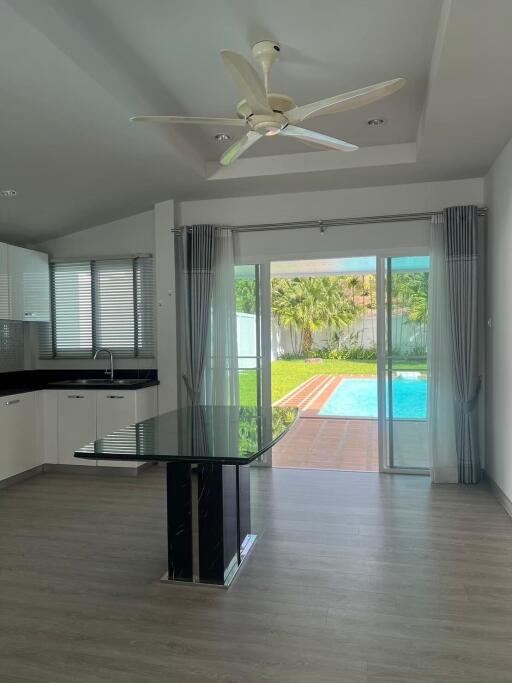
<point>311,136</point>
<point>345,101</point>
<point>248,81</point>
<point>201,120</point>
<point>239,147</point>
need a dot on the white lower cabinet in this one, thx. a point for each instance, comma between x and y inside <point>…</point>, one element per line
<point>117,409</point>
<point>48,426</point>
<point>76,424</point>
<point>84,416</point>
<point>19,450</point>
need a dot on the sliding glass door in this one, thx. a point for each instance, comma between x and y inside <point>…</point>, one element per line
<point>253,329</point>
<point>402,363</point>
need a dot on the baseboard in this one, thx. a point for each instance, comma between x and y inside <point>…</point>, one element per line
<point>75,469</point>
<point>17,478</point>
<point>96,471</point>
<point>500,495</point>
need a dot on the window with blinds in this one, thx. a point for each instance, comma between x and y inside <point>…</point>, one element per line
<point>100,303</point>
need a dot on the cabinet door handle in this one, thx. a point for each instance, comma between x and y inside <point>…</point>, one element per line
<point>10,403</point>
<point>114,396</point>
<point>75,396</point>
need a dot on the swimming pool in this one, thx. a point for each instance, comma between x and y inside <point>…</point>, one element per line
<point>358,398</point>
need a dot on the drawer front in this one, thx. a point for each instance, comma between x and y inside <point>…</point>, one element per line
<point>76,424</point>
<point>116,409</point>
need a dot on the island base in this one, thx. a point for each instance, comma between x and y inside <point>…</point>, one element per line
<point>233,572</point>
<point>208,523</point>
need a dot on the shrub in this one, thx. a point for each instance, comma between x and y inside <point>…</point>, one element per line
<point>291,356</point>
<point>347,352</point>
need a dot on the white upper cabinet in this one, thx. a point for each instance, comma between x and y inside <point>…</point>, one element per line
<point>29,285</point>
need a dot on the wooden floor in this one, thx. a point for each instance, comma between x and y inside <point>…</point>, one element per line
<point>355,578</point>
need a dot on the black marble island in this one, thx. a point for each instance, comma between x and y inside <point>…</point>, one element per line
<point>206,450</point>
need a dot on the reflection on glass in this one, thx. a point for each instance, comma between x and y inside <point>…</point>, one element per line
<point>197,433</point>
<point>406,382</point>
<point>248,387</point>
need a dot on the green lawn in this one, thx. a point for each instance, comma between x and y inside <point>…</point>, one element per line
<point>288,374</point>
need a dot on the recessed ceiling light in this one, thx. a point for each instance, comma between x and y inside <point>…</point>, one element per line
<point>7,193</point>
<point>376,122</point>
<point>222,137</point>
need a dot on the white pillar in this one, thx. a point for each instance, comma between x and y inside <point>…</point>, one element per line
<point>166,306</point>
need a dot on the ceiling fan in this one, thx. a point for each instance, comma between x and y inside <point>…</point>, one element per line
<point>267,113</point>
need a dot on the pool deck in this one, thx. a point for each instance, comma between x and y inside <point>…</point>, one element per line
<point>332,443</point>
<point>340,443</point>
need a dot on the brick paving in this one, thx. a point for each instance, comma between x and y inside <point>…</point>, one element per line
<point>340,443</point>
<point>330,443</point>
<point>326,442</point>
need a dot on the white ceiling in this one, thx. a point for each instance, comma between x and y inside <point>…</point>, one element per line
<point>73,71</point>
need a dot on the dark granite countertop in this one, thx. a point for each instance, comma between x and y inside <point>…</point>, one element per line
<point>223,435</point>
<point>34,380</point>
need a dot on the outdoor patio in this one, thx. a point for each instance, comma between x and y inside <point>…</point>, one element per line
<point>341,443</point>
<point>330,443</point>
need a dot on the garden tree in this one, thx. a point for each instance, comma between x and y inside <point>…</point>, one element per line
<point>410,291</point>
<point>306,304</point>
<point>354,282</point>
<point>410,299</point>
<point>245,295</point>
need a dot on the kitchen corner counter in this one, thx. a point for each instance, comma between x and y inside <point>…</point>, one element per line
<point>36,380</point>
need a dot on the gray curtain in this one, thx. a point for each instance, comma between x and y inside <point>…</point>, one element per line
<point>462,252</point>
<point>195,254</point>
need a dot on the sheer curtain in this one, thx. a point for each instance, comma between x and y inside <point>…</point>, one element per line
<point>221,376</point>
<point>207,345</point>
<point>441,424</point>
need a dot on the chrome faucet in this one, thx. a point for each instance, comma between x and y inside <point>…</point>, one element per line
<point>111,355</point>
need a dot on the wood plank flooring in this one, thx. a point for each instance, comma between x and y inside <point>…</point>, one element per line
<point>356,577</point>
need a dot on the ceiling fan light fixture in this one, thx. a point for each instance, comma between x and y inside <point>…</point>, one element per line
<point>8,193</point>
<point>222,137</point>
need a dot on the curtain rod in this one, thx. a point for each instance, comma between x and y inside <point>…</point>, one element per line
<point>334,222</point>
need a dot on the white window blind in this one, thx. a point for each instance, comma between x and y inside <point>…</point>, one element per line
<point>100,303</point>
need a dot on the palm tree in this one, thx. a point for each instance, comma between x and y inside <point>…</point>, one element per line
<point>307,304</point>
<point>354,283</point>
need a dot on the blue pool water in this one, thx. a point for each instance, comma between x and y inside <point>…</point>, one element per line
<point>358,398</point>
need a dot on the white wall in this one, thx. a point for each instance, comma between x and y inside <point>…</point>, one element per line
<point>165,281</point>
<point>348,240</point>
<point>125,237</point>
<point>149,232</point>
<point>367,201</point>
<point>498,196</point>
<point>143,233</point>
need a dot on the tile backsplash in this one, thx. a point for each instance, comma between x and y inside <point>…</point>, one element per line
<point>12,346</point>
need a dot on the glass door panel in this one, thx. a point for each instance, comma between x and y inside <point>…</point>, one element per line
<point>403,384</point>
<point>253,361</point>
